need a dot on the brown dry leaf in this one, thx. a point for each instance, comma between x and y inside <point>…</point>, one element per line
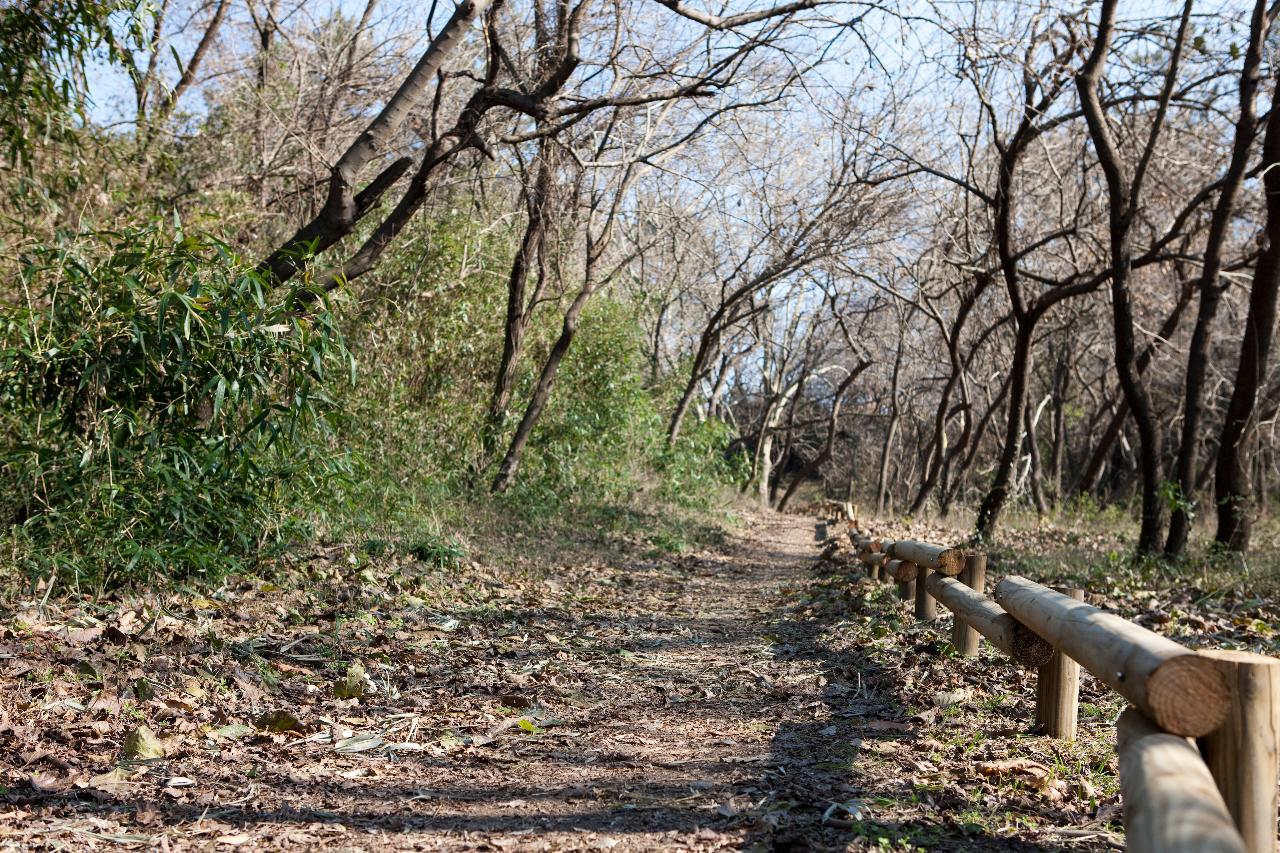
<point>143,744</point>
<point>81,636</point>
<point>278,721</point>
<point>1023,769</point>
<point>947,698</point>
<point>234,840</point>
<point>47,783</point>
<point>516,701</point>
<point>888,726</point>
<point>248,689</point>
<point>114,782</point>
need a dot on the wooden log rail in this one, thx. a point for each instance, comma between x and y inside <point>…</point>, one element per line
<point>1184,693</point>
<point>1171,804</point>
<point>1220,796</point>
<point>1007,634</point>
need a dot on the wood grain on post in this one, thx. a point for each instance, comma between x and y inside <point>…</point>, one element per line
<point>1241,753</point>
<point>1170,802</point>
<point>1008,635</point>
<point>926,606</point>
<point>943,560</point>
<point>1181,691</point>
<point>963,636</point>
<point>1058,691</point>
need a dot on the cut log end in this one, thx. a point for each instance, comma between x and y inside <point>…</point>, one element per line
<point>1030,649</point>
<point>950,562</point>
<point>1188,695</point>
<point>905,571</point>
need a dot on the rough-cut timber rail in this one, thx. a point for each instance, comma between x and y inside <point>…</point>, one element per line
<point>1181,691</point>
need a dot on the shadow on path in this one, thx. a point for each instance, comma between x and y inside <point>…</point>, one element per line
<point>728,721</point>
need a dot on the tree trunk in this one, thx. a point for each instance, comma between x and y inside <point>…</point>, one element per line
<point>1098,459</point>
<point>343,207</point>
<point>1061,380</point>
<point>937,459</point>
<point>973,445</point>
<point>542,391</point>
<point>706,341</point>
<point>1033,449</point>
<point>828,447</point>
<point>998,494</point>
<point>890,434</point>
<point>520,305</point>
<point>1123,194</point>
<point>1211,289</point>
<point>1231,484</point>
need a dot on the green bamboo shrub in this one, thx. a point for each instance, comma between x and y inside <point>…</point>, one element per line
<point>159,402</point>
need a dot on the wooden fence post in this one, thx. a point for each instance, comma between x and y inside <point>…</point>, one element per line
<point>1058,691</point>
<point>1242,752</point>
<point>963,638</point>
<point>926,605</point>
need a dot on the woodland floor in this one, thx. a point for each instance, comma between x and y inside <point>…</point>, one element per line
<point>753,696</point>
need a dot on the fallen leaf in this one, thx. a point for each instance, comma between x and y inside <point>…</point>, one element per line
<point>887,726</point>
<point>47,783</point>
<point>1024,769</point>
<point>234,731</point>
<point>351,685</point>
<point>143,744</point>
<point>235,840</point>
<point>278,721</point>
<point>515,701</point>
<point>361,742</point>
<point>115,781</point>
<point>947,698</point>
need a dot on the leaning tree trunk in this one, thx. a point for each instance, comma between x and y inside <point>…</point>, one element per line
<point>998,493</point>
<point>520,304</point>
<point>1088,481</point>
<point>706,342</point>
<point>542,391</point>
<point>938,457</point>
<point>811,467</point>
<point>970,443</point>
<point>343,206</point>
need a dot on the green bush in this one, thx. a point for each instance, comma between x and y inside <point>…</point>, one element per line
<point>159,400</point>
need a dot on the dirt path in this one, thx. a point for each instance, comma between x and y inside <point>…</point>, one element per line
<point>718,701</point>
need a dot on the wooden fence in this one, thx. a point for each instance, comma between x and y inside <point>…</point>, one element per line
<point>1197,747</point>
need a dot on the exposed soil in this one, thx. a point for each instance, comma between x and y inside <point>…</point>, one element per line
<point>754,697</point>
